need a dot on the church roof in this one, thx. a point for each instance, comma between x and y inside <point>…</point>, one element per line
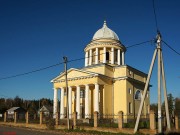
<point>106,33</point>
<point>73,72</point>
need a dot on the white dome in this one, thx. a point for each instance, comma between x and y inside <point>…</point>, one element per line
<point>105,32</point>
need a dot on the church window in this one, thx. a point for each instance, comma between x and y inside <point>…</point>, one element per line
<point>129,90</point>
<point>115,56</point>
<point>137,95</point>
<point>107,56</point>
<point>130,107</point>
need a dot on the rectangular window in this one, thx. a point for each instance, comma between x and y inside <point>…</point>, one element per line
<point>130,107</point>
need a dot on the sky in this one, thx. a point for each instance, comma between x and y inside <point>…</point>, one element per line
<point>38,33</point>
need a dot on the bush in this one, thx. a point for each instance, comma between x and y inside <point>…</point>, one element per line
<point>50,123</point>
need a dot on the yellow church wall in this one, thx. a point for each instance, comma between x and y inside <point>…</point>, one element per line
<point>120,71</point>
<point>107,100</point>
<point>130,98</point>
<point>137,75</point>
<point>101,69</point>
<point>96,69</point>
<point>120,96</point>
<point>109,71</point>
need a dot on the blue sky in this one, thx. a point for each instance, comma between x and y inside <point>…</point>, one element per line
<point>38,33</point>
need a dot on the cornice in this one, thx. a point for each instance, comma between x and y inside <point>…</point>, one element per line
<point>76,78</point>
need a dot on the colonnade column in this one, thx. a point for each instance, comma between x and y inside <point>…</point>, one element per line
<point>112,55</point>
<point>96,97</point>
<point>96,60</point>
<point>55,102</point>
<point>104,55</point>
<point>90,57</point>
<point>122,58</point>
<point>87,101</point>
<point>86,59</point>
<point>118,57</point>
<point>78,101</point>
<point>70,101</point>
<point>62,104</point>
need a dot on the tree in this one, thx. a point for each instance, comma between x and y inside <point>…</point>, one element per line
<point>171,100</point>
<point>18,102</point>
<point>177,104</point>
<point>154,107</point>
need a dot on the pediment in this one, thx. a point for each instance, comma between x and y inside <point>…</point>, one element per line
<point>74,73</point>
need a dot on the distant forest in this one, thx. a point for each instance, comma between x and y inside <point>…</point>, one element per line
<point>30,105</point>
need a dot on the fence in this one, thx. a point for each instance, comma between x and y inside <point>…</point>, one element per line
<point>119,120</point>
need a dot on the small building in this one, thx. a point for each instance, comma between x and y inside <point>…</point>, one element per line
<point>47,110</point>
<point>21,112</point>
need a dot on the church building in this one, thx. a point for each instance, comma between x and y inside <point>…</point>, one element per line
<point>105,84</point>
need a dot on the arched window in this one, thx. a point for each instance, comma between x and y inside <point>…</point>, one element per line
<point>137,95</point>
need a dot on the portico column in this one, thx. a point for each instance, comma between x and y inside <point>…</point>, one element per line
<point>122,58</point>
<point>96,98</point>
<point>112,55</point>
<point>78,101</point>
<point>96,60</point>
<point>70,101</point>
<point>87,101</point>
<point>90,57</point>
<point>86,59</point>
<point>104,56</point>
<point>55,102</point>
<point>62,104</point>
<point>118,57</point>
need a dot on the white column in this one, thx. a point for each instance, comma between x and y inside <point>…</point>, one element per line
<point>78,101</point>
<point>96,98</point>
<point>62,104</point>
<point>118,57</point>
<point>70,101</point>
<point>55,102</point>
<point>90,57</point>
<point>86,59</point>
<point>104,56</point>
<point>96,60</point>
<point>87,101</point>
<point>122,58</point>
<point>112,55</point>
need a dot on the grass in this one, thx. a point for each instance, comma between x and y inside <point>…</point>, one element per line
<point>95,132</point>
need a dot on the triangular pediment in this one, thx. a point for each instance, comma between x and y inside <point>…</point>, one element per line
<point>74,73</point>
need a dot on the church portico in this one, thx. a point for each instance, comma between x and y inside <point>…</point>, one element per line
<point>83,99</point>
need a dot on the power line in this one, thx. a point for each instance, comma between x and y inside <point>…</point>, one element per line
<point>51,66</point>
<point>155,17</point>
<point>171,47</point>
<point>30,72</point>
<point>139,43</point>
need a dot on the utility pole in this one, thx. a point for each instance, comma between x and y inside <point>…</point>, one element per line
<point>67,97</point>
<point>159,83</point>
<point>161,73</point>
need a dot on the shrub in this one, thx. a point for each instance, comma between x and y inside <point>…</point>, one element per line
<point>50,123</point>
